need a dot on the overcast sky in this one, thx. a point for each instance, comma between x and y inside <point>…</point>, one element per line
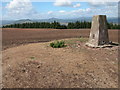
<point>64,9</point>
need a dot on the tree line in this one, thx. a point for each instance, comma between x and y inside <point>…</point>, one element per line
<point>57,25</point>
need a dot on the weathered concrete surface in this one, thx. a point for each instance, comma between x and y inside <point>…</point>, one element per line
<point>99,31</point>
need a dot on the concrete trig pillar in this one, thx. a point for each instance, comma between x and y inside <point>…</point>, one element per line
<point>99,32</point>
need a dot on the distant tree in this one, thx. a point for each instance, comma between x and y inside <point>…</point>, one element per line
<point>70,25</point>
<point>77,25</point>
<point>57,25</point>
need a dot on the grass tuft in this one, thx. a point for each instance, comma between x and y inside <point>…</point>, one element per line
<point>58,44</point>
<point>32,58</point>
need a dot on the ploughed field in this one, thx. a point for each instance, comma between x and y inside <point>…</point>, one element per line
<point>14,37</point>
<point>37,65</point>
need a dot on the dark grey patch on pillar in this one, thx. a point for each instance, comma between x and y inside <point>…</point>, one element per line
<point>99,32</point>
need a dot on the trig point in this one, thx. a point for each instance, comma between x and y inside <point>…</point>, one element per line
<point>99,32</point>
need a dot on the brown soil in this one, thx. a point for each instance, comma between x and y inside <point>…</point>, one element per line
<point>76,66</point>
<point>14,37</point>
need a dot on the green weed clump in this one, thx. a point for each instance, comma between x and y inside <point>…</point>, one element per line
<point>58,44</point>
<point>32,58</point>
